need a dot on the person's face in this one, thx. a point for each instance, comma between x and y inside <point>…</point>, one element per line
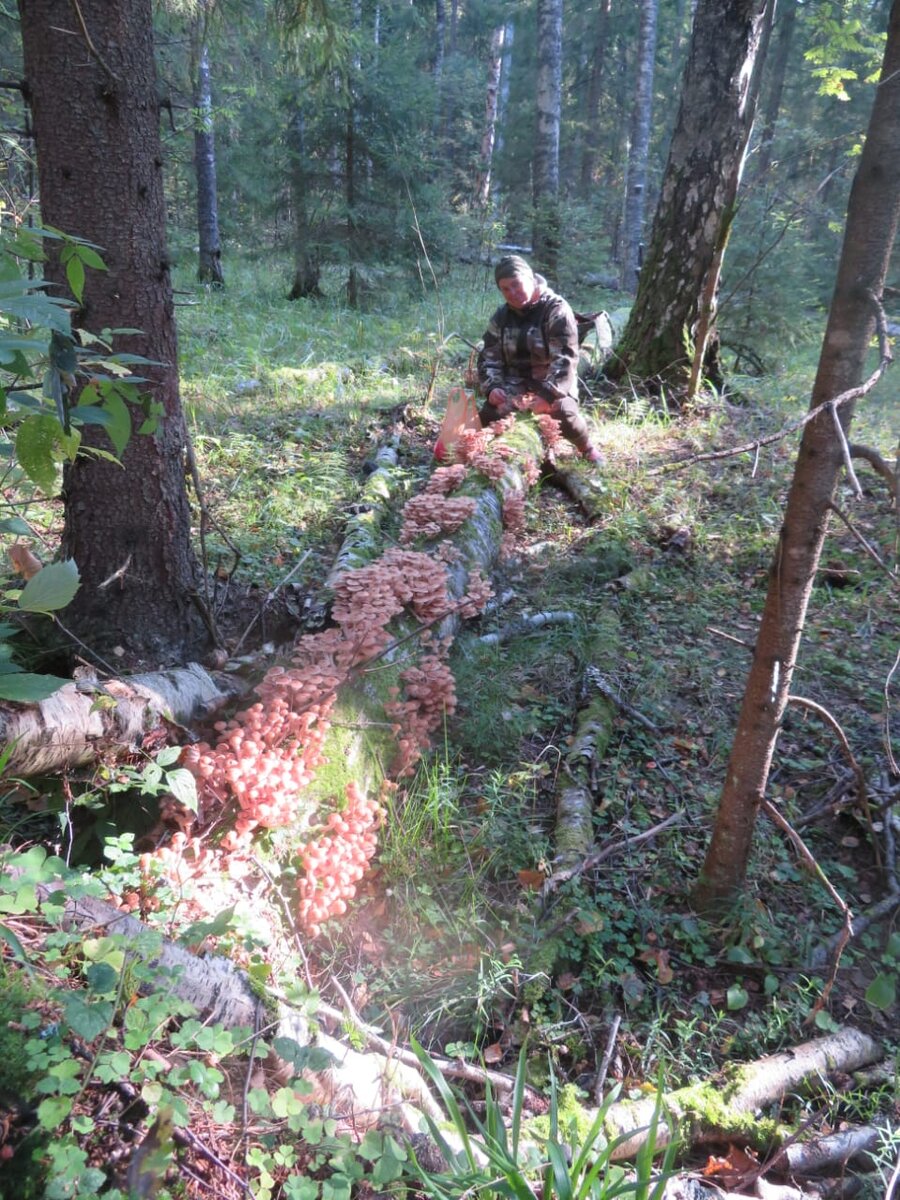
<point>519,290</point>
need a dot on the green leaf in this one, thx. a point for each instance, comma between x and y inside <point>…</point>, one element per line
<point>52,588</point>
<point>737,997</point>
<point>26,688</point>
<point>75,276</point>
<point>18,950</point>
<point>37,449</point>
<point>882,992</point>
<point>53,1111</point>
<point>183,786</point>
<point>15,525</point>
<point>101,978</point>
<point>87,1020</point>
<point>119,428</point>
<point>168,756</point>
<point>90,257</point>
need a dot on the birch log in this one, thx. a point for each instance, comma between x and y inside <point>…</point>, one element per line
<point>83,721</point>
<point>728,1110</point>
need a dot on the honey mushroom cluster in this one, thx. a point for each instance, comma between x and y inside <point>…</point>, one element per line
<point>430,696</point>
<point>431,515</point>
<point>513,522</point>
<point>266,755</point>
<point>336,860</point>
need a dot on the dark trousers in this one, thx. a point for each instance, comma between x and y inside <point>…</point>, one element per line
<point>572,424</point>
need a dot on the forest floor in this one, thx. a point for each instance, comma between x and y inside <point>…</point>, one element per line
<point>452,940</point>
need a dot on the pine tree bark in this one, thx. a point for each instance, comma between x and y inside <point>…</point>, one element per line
<point>91,84</point>
<point>307,270</point>
<point>639,147</point>
<point>871,228</point>
<point>696,204</point>
<point>546,235</point>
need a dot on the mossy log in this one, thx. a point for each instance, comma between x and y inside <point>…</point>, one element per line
<point>364,1088</point>
<point>361,745</point>
<point>593,728</point>
<point>85,720</point>
<point>363,539</point>
<point>584,486</point>
<point>728,1107</point>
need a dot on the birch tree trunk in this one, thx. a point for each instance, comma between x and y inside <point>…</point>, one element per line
<point>868,239</point>
<point>546,235</point>
<point>639,145</point>
<point>209,265</point>
<point>483,177</point>
<point>696,203</point>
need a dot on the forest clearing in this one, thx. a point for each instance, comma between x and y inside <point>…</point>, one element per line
<point>497,823</point>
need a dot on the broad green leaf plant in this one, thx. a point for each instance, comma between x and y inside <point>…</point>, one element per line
<point>54,380</point>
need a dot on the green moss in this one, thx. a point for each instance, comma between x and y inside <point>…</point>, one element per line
<point>708,1106</point>
<point>573,1116</point>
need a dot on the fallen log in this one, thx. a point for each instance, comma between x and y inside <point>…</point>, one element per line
<point>362,534</point>
<point>87,719</point>
<point>363,1089</point>
<point>727,1108</point>
<point>574,834</point>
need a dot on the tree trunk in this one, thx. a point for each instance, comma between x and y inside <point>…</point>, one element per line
<point>509,36</point>
<point>696,203</point>
<point>591,150</point>
<point>871,228</point>
<point>639,147</point>
<point>92,88</point>
<point>209,266</point>
<point>307,277</point>
<point>483,176</point>
<point>546,235</point>
<point>786,24</point>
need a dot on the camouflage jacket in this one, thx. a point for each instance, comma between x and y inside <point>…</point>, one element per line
<point>532,350</point>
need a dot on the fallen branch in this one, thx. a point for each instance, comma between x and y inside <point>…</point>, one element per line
<point>527,624</point>
<point>877,463</point>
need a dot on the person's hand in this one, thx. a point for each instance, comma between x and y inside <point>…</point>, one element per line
<point>497,397</point>
<point>536,404</point>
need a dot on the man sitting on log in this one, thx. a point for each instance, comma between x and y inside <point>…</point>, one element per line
<point>530,355</point>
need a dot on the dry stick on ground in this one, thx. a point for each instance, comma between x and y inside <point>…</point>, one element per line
<point>847,928</point>
<point>850,395</point>
<point>607,1058</point>
<point>895,769</point>
<point>596,680</point>
<point>606,852</point>
<point>884,908</point>
<point>867,546</point>
<point>526,625</point>
<point>862,798</point>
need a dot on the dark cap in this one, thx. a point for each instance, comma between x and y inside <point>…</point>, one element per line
<point>510,265</point>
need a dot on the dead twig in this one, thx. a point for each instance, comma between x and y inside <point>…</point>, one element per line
<point>595,679</point>
<point>852,394</point>
<point>846,930</point>
<point>862,798</point>
<point>730,637</point>
<point>895,769</point>
<point>553,881</point>
<point>869,549</point>
<point>607,1058</point>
